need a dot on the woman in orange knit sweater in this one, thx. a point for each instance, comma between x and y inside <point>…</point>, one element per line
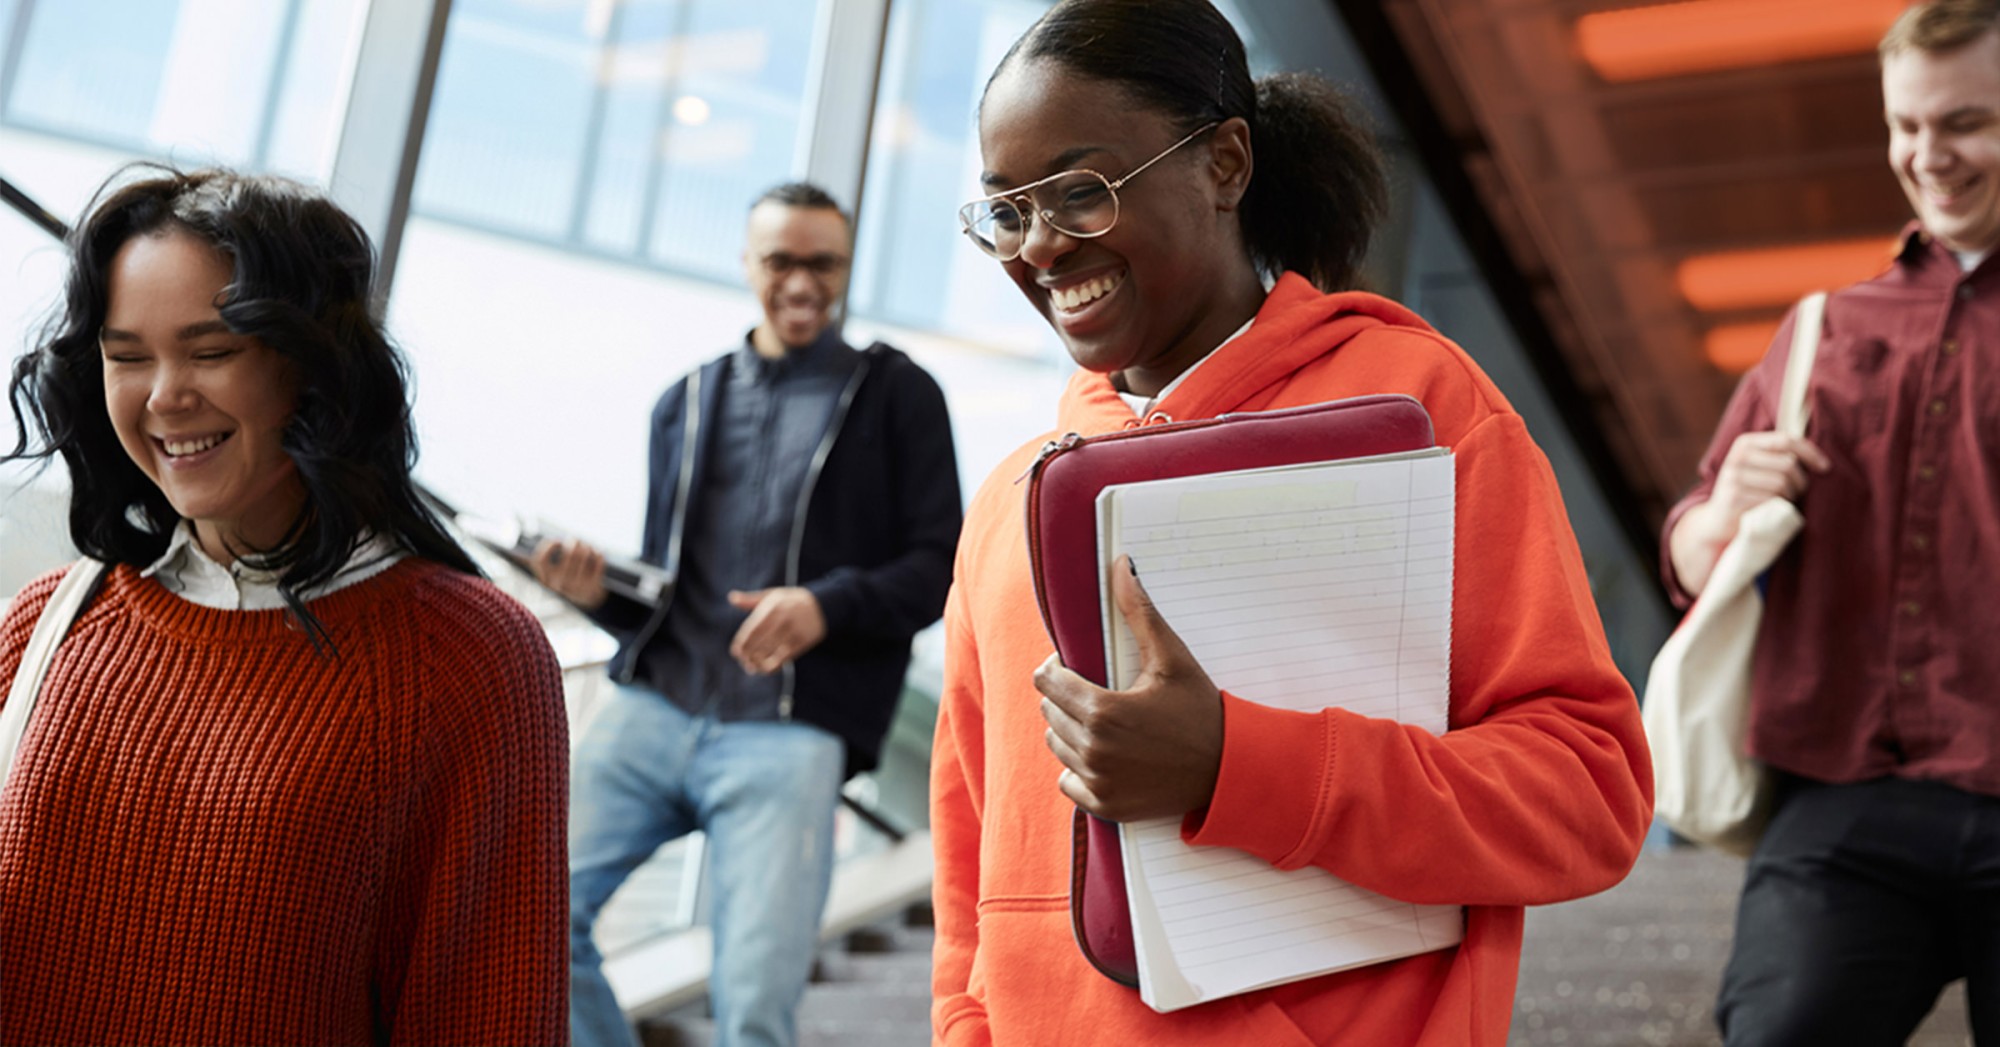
<point>297,773</point>
<point>1541,789</point>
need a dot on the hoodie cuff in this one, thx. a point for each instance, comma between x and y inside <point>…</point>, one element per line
<point>1276,764</point>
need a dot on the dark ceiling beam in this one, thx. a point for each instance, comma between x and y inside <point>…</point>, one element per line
<point>1443,156</point>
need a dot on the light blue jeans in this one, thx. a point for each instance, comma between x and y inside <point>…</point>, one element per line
<point>645,772</point>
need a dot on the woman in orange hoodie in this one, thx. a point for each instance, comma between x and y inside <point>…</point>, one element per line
<point>1197,276</point>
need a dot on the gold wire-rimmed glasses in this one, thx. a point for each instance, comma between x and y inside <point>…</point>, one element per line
<point>1080,203</point>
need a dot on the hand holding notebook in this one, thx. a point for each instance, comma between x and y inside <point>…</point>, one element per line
<point>1064,534</point>
<point>1303,587</point>
<point>1151,748</point>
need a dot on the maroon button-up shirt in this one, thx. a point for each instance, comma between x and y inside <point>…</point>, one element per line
<point>1879,652</point>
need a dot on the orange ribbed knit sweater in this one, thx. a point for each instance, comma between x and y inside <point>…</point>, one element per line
<point>214,836</point>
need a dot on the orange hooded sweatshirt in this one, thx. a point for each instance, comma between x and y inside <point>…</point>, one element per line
<point>1540,792</point>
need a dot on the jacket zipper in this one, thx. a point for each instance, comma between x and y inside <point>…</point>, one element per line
<point>683,483</point>
<point>813,469</point>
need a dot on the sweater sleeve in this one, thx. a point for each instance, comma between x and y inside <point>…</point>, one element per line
<point>957,788</point>
<point>901,596</point>
<point>474,945</point>
<point>1542,789</point>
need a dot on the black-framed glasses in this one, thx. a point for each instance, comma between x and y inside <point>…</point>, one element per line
<point>1080,203</point>
<point>822,265</point>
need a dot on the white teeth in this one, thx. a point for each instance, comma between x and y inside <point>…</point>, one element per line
<point>177,448</point>
<point>1068,298</point>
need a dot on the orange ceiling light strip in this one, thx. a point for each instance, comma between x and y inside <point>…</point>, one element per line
<point>1735,348</point>
<point>1704,36</point>
<point>1777,276</point>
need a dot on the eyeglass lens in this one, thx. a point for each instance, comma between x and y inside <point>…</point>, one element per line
<point>778,263</point>
<point>1076,203</point>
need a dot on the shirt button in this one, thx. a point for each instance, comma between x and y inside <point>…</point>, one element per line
<point>1937,407</point>
<point>1950,346</point>
<point>1919,542</point>
<point>1964,292</point>
<point>1911,609</point>
<point>1925,472</point>
<point>1906,677</point>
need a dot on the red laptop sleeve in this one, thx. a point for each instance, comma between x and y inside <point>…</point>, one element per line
<point>1062,542</point>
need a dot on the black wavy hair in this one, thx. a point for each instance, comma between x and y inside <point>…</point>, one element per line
<point>302,273</point>
<point>1318,189</point>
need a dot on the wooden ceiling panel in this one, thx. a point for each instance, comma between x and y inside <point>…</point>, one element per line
<point>1775,209</point>
<point>1704,129</point>
<point>1598,191</point>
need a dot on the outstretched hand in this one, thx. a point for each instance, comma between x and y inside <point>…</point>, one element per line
<point>1149,752</point>
<point>784,623</point>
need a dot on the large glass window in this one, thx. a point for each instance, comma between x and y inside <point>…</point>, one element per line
<point>232,81</point>
<point>639,129</point>
<point>578,227</point>
<point>914,268</point>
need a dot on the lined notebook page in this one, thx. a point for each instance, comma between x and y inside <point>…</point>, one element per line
<point>1304,587</point>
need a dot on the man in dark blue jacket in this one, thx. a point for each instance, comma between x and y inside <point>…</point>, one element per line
<point>805,500</point>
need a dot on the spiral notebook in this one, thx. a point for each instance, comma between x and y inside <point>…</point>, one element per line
<point>1301,587</point>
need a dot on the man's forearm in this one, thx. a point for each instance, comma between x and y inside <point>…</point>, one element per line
<point>1695,544</point>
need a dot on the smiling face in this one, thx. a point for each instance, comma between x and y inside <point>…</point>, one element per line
<point>199,409</point>
<point>1944,138</point>
<point>795,259</point>
<point>1172,278</point>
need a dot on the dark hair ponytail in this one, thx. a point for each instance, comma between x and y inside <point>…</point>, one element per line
<point>1318,188</point>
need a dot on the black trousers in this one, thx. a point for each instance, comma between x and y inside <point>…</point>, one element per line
<point>1860,905</point>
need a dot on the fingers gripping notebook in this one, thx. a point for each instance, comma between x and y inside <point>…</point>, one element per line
<point>1362,542</point>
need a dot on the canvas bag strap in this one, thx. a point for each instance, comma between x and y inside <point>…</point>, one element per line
<point>71,594</point>
<point>1793,410</point>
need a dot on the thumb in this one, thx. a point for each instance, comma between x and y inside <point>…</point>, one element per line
<point>1158,643</point>
<point>743,601</point>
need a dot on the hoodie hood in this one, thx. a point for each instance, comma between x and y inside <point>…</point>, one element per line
<point>1296,325</point>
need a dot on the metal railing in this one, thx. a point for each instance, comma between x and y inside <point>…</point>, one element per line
<point>32,211</point>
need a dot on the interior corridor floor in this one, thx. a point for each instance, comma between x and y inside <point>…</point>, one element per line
<point>1636,966</point>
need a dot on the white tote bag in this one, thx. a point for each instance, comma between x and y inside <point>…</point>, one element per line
<point>72,592</point>
<point>1697,708</point>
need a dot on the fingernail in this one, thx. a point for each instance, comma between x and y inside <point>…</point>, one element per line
<point>1132,565</point>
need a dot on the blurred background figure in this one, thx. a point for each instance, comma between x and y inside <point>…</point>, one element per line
<point>804,499</point>
<point>1875,884</point>
<point>297,773</point>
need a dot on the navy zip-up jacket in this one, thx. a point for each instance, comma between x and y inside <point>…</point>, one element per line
<point>874,545</point>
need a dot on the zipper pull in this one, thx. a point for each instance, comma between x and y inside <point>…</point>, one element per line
<point>1049,450</point>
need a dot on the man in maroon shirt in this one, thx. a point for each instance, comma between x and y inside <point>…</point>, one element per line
<point>1877,678</point>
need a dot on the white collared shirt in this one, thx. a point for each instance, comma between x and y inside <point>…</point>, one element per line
<point>191,574</point>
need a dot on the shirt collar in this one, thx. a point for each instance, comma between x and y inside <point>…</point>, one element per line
<point>753,366</point>
<point>1914,245</point>
<point>1911,240</point>
<point>187,571</point>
